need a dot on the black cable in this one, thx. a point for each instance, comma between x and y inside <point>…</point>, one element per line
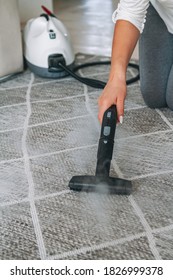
<point>87,81</point>
<point>9,77</point>
<point>92,82</point>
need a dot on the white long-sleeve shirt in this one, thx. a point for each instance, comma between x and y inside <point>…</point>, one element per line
<point>135,11</point>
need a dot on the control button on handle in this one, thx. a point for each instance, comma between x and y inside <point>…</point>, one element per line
<point>106,131</point>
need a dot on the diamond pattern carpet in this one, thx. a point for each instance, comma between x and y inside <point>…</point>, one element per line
<point>49,132</point>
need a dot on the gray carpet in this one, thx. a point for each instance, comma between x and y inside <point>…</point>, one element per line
<point>49,132</point>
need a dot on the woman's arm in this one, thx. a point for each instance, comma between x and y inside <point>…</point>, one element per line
<point>124,41</point>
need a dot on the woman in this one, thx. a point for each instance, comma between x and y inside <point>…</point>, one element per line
<point>152,21</point>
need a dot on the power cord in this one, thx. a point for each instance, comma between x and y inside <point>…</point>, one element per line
<point>59,62</point>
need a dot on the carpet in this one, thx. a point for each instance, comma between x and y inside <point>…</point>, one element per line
<point>49,132</point>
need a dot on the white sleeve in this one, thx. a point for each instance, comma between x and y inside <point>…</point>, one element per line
<point>133,11</point>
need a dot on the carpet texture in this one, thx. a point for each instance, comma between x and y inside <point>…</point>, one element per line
<point>49,132</point>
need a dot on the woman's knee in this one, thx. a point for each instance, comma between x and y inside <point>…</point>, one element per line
<point>153,97</point>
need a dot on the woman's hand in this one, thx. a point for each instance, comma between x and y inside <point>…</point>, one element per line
<point>114,93</point>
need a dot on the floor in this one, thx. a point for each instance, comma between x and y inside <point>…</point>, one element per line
<point>49,133</point>
<point>91,28</point>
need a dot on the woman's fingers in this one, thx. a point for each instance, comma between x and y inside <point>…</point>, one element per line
<point>112,95</point>
<point>120,109</point>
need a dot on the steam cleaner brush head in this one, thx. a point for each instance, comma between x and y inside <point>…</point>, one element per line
<point>104,185</point>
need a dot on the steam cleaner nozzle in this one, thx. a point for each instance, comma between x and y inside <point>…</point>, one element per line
<point>102,182</point>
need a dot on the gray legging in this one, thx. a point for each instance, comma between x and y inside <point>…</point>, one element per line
<point>156,62</point>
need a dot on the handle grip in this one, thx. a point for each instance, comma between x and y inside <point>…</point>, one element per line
<point>106,142</point>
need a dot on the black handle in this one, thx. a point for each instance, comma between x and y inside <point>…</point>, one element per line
<point>106,142</point>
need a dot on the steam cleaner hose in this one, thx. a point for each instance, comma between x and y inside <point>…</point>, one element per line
<point>93,82</point>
